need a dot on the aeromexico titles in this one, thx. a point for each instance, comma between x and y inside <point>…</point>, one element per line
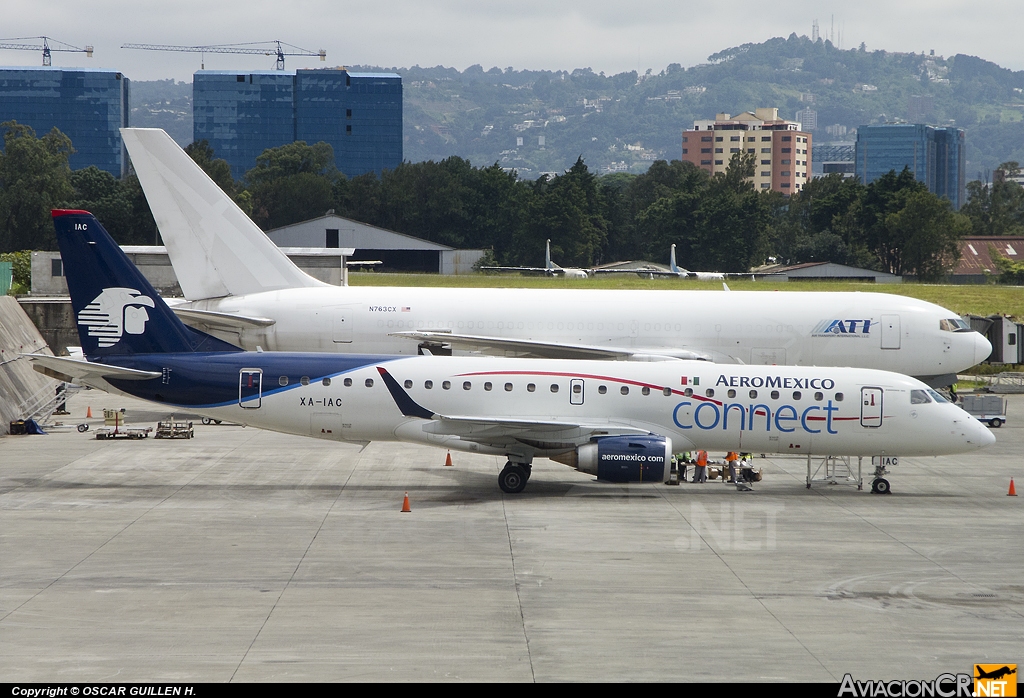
<point>241,288</point>
<point>618,420</point>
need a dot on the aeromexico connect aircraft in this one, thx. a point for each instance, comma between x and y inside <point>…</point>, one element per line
<point>243,289</point>
<point>619,420</point>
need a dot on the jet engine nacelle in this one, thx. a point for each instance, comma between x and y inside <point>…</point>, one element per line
<point>623,458</point>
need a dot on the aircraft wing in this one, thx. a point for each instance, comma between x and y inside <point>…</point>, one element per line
<point>639,272</point>
<point>527,270</point>
<point>84,372</point>
<point>209,320</point>
<point>501,430</point>
<point>548,350</point>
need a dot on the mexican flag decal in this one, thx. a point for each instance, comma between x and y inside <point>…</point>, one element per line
<point>690,380</point>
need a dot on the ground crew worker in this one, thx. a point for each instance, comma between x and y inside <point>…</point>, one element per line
<point>700,471</point>
<point>730,458</point>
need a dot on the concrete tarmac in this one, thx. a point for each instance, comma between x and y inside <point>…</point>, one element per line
<point>244,555</point>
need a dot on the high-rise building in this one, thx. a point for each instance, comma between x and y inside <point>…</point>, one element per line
<point>243,114</point>
<point>782,150</point>
<point>936,156</point>
<point>89,106</point>
<point>808,119</point>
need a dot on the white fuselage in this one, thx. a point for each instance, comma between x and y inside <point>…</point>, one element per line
<point>762,328</point>
<point>698,405</point>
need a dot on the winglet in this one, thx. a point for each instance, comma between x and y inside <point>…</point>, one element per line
<point>406,404</point>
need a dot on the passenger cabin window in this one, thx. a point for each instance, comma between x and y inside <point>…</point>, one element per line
<point>775,395</point>
<point>428,384</point>
<point>348,382</point>
<point>446,385</point>
<point>919,397</point>
<point>602,389</point>
<point>508,387</point>
<point>530,387</point>
<point>283,380</point>
<point>710,392</point>
<point>304,380</point>
<point>731,393</point>
<point>554,387</point>
<point>467,385</point>
<point>797,395</point>
<point>645,390</point>
<point>819,396</point>
<point>577,389</point>
<point>488,386</point>
<point>666,391</point>
<point>326,382</point>
<point>839,397</point>
<point>688,392</point>
<point>408,384</point>
<point>624,390</point>
<point>753,394</point>
<point>369,383</point>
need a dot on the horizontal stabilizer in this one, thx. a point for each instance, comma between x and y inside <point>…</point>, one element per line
<point>209,319</point>
<point>215,249</point>
<point>84,372</point>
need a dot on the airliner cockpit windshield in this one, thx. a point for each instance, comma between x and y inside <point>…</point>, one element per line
<point>954,325</point>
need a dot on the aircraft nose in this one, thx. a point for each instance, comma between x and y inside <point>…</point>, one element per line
<point>982,348</point>
<point>979,435</point>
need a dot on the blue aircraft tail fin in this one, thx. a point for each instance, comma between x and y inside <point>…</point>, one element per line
<point>116,308</point>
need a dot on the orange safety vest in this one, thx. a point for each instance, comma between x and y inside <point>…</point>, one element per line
<point>702,458</point>
<point>732,456</point>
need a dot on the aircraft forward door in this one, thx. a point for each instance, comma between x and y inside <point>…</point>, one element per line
<point>871,407</point>
<point>250,388</point>
<point>576,391</point>
<point>890,331</point>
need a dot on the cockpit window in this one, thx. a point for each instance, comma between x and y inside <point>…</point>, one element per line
<point>919,397</point>
<point>954,325</point>
<point>937,396</point>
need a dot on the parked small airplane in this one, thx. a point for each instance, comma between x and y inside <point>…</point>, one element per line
<point>620,421</point>
<point>549,268</point>
<point>241,288</point>
<point>673,270</point>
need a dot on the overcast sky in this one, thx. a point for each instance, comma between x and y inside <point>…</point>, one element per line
<point>605,35</point>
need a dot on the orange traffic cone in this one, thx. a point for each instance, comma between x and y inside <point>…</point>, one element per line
<point>405,504</point>
<point>448,459</point>
<point>1013,490</point>
<point>88,412</point>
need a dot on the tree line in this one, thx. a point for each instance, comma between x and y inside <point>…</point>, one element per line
<point>717,222</point>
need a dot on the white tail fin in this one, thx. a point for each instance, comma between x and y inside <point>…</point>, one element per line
<point>547,255</point>
<point>215,249</point>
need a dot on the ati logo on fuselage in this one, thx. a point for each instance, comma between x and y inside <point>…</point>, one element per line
<point>842,328</point>
<point>115,312</point>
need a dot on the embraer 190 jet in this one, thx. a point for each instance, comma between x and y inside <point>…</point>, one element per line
<point>618,420</point>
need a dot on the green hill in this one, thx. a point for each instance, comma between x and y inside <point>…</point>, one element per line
<point>541,121</point>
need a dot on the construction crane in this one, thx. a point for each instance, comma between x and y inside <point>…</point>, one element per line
<point>256,48</point>
<point>45,47</point>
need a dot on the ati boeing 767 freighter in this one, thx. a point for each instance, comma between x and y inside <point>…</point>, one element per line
<point>241,288</point>
<point>616,419</point>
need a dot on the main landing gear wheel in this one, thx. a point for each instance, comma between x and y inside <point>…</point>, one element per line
<point>513,478</point>
<point>881,486</point>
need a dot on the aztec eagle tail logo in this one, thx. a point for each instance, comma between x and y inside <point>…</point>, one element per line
<point>113,313</point>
